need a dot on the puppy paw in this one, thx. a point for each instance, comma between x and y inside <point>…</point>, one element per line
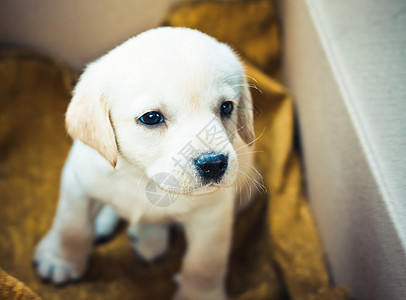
<point>149,241</point>
<point>105,224</point>
<point>53,265</point>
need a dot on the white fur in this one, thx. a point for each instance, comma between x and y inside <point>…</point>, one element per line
<point>186,75</point>
<point>106,222</point>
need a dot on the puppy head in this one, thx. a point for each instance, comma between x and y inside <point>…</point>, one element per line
<point>171,100</point>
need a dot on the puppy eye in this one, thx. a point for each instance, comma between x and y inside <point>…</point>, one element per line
<point>151,118</point>
<point>226,108</point>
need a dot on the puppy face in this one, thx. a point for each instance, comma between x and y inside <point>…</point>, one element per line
<point>167,101</point>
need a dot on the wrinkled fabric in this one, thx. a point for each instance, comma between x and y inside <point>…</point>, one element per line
<point>276,250</point>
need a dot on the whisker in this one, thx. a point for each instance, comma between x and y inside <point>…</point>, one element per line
<point>235,131</point>
<point>253,169</point>
<point>253,141</point>
<point>240,75</point>
<point>234,76</point>
<point>250,152</point>
<point>252,78</point>
<point>250,85</point>
<point>244,177</point>
<point>257,180</point>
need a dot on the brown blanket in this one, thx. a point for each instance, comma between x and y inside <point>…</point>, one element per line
<point>276,252</point>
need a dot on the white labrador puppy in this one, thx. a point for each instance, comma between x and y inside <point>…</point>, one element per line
<point>163,132</point>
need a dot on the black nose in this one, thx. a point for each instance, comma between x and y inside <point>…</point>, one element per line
<point>211,166</point>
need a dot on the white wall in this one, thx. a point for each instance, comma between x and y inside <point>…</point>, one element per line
<point>77,31</point>
<point>345,64</point>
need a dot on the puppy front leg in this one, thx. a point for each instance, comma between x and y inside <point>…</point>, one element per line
<point>204,266</point>
<point>62,254</point>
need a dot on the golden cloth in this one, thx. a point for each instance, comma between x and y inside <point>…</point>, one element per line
<point>276,251</point>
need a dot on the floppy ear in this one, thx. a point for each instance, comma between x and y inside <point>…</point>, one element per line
<point>245,116</point>
<point>87,118</point>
